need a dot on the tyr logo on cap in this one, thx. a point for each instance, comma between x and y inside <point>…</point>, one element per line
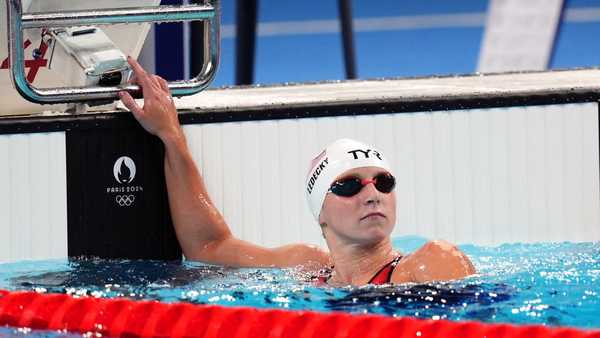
<point>365,153</point>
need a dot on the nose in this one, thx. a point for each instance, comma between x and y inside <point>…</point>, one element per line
<point>372,195</point>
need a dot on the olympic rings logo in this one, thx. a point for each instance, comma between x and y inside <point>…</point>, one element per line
<point>125,200</point>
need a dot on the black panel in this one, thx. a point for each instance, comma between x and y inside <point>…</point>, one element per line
<point>122,215</point>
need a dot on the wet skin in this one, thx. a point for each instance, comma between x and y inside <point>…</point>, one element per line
<point>357,229</point>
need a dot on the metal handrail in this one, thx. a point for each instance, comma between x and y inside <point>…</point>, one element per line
<point>17,22</point>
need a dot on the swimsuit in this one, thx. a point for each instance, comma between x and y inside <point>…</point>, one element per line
<point>383,276</point>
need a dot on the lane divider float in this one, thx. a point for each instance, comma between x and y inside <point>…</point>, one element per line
<point>123,317</point>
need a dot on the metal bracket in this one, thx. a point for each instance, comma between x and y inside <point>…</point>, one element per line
<point>17,21</point>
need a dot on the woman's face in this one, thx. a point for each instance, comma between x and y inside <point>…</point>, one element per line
<point>365,218</point>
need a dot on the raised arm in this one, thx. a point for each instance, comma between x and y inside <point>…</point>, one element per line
<point>201,229</point>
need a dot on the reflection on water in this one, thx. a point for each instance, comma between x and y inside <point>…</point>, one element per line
<point>555,284</point>
<point>6,332</point>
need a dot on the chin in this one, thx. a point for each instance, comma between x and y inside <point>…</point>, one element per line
<point>376,234</point>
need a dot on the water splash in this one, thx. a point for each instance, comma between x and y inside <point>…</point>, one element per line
<point>549,283</point>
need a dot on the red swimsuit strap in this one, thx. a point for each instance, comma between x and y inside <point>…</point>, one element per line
<point>384,275</point>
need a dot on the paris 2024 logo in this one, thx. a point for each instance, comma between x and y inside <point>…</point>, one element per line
<point>124,172</point>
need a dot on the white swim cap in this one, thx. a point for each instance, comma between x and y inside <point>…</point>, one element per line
<point>338,157</point>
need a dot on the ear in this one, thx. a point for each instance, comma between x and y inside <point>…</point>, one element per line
<point>323,226</point>
<point>322,218</point>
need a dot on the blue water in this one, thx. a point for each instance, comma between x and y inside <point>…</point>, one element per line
<point>552,284</point>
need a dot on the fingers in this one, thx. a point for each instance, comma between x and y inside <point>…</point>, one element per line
<point>163,83</point>
<point>130,103</point>
<point>156,81</point>
<point>140,75</point>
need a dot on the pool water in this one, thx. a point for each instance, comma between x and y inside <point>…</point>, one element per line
<point>556,284</point>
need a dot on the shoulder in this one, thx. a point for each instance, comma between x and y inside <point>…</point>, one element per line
<point>435,261</point>
<point>439,248</point>
<point>308,256</point>
<point>316,254</point>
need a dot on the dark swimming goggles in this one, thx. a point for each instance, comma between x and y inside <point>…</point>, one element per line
<point>351,186</point>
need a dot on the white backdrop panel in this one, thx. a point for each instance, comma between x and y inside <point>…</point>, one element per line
<point>33,197</point>
<point>485,176</point>
<point>519,35</point>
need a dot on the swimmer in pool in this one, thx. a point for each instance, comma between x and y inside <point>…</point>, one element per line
<point>350,190</point>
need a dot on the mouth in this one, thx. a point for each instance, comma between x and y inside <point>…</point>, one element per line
<point>373,215</point>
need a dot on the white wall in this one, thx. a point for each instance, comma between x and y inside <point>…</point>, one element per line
<point>484,176</point>
<point>33,197</point>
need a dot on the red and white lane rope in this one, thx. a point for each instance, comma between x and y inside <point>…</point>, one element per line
<point>124,317</point>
